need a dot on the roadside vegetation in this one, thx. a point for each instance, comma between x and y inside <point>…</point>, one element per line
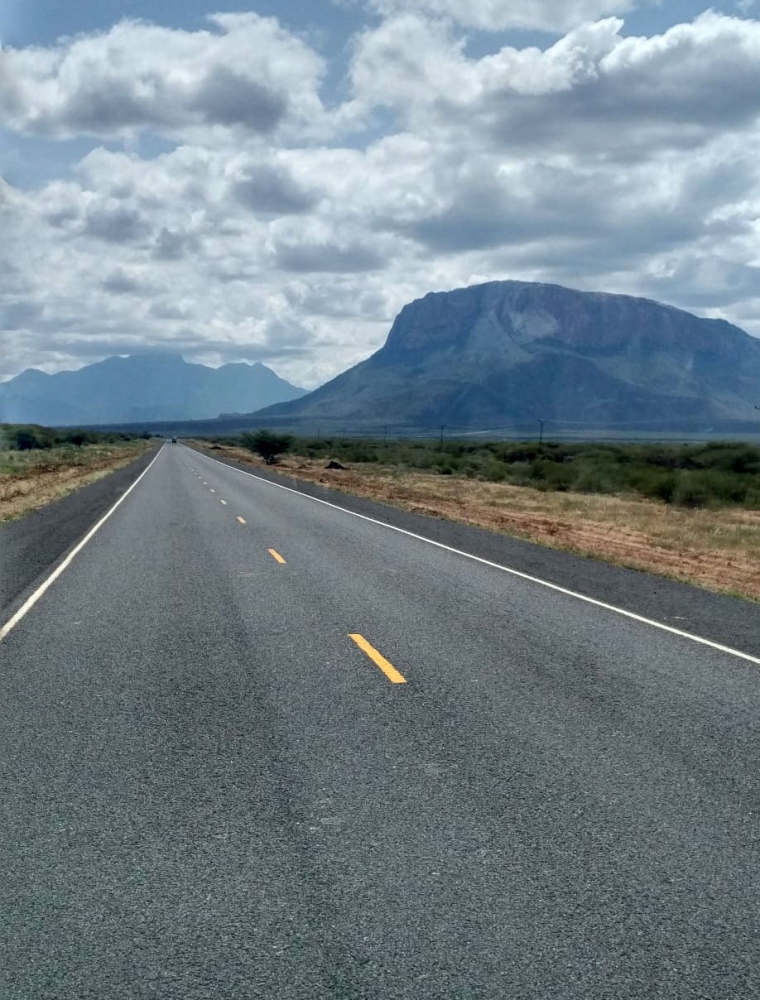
<point>691,512</point>
<point>40,464</point>
<point>267,444</point>
<point>692,476</point>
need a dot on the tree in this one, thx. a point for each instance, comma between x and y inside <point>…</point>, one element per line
<point>267,443</point>
<point>26,440</point>
<point>29,437</point>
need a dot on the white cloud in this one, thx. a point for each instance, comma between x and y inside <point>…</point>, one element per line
<point>318,246</point>
<point>246,72</point>
<point>497,15</point>
<point>594,91</point>
<point>622,164</point>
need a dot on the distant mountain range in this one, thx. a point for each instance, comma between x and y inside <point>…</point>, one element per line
<point>144,388</point>
<point>495,356</point>
<point>510,353</point>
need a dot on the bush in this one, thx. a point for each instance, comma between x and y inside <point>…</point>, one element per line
<point>548,475</point>
<point>653,484</point>
<point>710,488</point>
<point>596,479</point>
<point>690,492</point>
<point>714,474</point>
<point>26,441</point>
<point>495,471</point>
<point>32,437</point>
<point>737,458</point>
<point>360,454</point>
<point>29,438</point>
<point>267,444</point>
<point>752,497</point>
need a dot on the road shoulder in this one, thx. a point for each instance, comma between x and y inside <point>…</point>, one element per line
<point>31,546</point>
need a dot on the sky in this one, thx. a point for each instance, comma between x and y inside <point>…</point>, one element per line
<point>273,182</point>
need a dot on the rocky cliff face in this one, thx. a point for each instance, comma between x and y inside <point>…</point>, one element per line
<point>507,352</point>
<point>533,317</point>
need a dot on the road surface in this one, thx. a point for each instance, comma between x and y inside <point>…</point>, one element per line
<point>256,746</point>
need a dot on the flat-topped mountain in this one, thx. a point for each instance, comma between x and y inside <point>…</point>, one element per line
<point>153,386</point>
<point>510,352</point>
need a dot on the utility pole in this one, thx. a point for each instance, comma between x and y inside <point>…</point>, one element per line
<point>540,431</point>
<point>442,427</point>
<point>385,435</point>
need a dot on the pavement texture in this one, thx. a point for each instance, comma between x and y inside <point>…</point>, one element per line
<point>209,790</point>
<point>727,620</point>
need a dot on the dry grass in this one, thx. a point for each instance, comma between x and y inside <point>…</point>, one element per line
<point>31,479</point>
<point>719,550</point>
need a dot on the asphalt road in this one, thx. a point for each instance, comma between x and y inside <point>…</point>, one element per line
<point>30,545</point>
<point>208,789</point>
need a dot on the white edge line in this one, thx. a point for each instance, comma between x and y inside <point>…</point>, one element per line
<point>506,569</point>
<point>33,598</point>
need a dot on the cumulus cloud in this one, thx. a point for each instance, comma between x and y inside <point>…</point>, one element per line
<point>124,282</point>
<point>17,314</point>
<point>606,162</point>
<point>271,190</point>
<point>115,223</point>
<point>199,276</point>
<point>172,244</point>
<point>245,72</point>
<point>497,15</point>
<point>319,248</point>
<point>594,91</point>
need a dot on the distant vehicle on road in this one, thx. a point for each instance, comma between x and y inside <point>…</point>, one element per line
<point>174,440</point>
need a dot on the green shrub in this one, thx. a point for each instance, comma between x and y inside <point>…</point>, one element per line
<point>596,479</point>
<point>752,497</point>
<point>359,454</point>
<point>29,437</point>
<point>714,474</point>
<point>495,471</point>
<point>653,483</point>
<point>709,488</point>
<point>268,444</point>
<point>738,458</point>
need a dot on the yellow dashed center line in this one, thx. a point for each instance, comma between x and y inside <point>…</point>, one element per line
<point>378,659</point>
<point>276,556</point>
<point>241,519</point>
